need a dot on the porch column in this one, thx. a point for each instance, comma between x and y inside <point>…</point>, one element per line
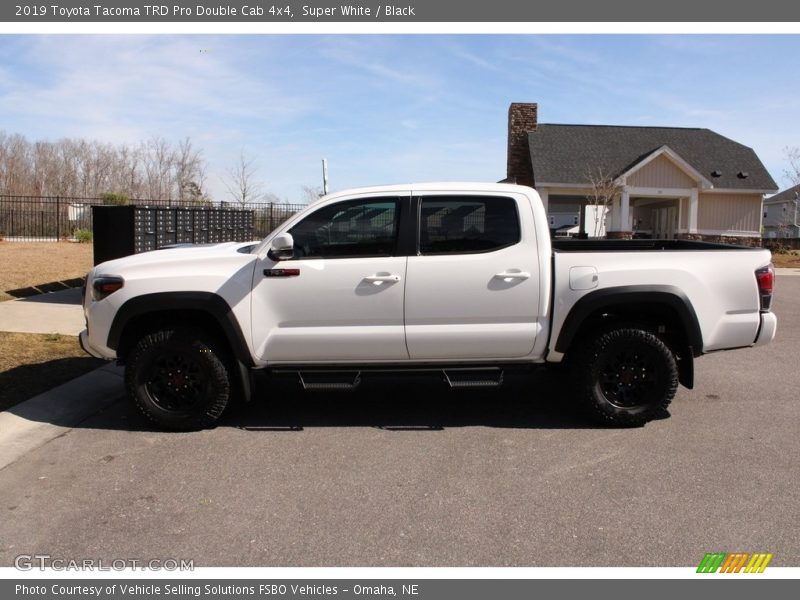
<point>693,202</point>
<point>620,217</point>
<point>625,210</point>
<point>544,194</point>
<point>614,222</point>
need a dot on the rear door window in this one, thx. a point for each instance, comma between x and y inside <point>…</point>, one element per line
<point>467,224</point>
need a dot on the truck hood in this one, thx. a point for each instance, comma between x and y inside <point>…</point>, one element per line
<point>183,254</point>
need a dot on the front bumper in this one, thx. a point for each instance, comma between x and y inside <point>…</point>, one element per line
<point>766,332</point>
<point>83,340</point>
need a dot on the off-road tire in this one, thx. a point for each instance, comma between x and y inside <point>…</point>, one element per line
<point>180,379</point>
<point>624,377</point>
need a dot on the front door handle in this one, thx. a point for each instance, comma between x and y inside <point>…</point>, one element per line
<point>378,279</point>
<point>513,275</point>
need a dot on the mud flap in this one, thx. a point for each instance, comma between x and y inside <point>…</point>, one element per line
<point>686,368</point>
<point>246,381</point>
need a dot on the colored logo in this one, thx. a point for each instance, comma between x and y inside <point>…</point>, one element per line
<point>734,563</point>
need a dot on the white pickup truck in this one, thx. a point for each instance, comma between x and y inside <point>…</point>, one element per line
<point>458,278</point>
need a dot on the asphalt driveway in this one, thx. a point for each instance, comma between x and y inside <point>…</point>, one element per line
<point>412,474</point>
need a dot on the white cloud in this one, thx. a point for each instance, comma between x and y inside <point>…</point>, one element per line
<point>134,84</point>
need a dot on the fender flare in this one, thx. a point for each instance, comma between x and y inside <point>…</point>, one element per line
<point>640,294</point>
<point>206,302</point>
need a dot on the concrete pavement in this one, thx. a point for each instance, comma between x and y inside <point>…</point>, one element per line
<point>56,312</point>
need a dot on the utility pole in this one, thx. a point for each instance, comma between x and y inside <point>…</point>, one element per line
<point>324,176</point>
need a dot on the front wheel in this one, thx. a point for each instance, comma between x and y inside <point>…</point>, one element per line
<point>179,379</point>
<point>625,376</point>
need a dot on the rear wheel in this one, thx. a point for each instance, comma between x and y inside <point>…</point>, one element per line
<point>625,376</point>
<point>179,379</point>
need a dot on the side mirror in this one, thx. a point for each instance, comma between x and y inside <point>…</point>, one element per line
<point>282,247</point>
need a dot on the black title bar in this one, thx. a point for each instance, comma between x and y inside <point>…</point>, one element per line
<point>411,11</point>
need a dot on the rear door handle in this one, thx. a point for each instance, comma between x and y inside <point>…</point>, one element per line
<point>378,279</point>
<point>513,275</point>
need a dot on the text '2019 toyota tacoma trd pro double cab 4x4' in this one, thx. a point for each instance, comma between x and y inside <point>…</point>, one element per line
<point>457,278</point>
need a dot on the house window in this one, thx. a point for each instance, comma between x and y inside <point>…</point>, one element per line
<point>457,225</point>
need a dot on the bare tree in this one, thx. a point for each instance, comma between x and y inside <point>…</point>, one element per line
<point>156,169</point>
<point>189,171</point>
<point>159,157</point>
<point>16,171</point>
<point>310,193</point>
<point>128,176</point>
<point>241,181</point>
<point>793,157</point>
<point>604,189</point>
<point>786,226</point>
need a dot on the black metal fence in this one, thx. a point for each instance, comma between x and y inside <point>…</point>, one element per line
<point>54,218</point>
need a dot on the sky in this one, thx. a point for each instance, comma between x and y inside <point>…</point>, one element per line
<point>390,108</point>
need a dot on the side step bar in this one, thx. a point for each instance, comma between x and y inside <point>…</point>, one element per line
<point>473,378</point>
<point>330,381</point>
<point>345,381</point>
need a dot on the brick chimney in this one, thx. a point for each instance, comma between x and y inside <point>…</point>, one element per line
<point>521,120</point>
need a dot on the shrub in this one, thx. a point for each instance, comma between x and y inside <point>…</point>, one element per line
<point>777,247</point>
<point>84,236</point>
<point>111,199</point>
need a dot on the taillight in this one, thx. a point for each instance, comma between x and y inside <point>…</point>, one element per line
<point>765,276</point>
<point>105,286</point>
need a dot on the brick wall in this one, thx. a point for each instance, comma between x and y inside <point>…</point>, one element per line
<point>721,239</point>
<point>619,235</point>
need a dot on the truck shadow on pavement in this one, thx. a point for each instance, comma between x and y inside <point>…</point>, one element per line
<point>536,401</point>
<point>540,400</point>
<point>60,295</point>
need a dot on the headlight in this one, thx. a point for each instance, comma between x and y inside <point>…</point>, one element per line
<point>102,287</point>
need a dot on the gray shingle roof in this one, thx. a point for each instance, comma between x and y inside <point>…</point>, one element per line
<point>565,153</point>
<point>791,194</point>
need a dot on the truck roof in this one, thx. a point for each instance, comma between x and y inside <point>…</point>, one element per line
<point>437,186</point>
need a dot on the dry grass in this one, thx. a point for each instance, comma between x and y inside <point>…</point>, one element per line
<point>791,259</point>
<point>27,264</point>
<point>31,363</point>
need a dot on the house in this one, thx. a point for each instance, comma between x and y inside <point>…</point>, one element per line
<point>781,218</point>
<point>668,182</point>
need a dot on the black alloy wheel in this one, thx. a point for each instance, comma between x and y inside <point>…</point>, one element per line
<point>180,379</point>
<point>626,376</point>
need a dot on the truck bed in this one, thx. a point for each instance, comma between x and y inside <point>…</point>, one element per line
<point>640,245</point>
<point>718,281</point>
